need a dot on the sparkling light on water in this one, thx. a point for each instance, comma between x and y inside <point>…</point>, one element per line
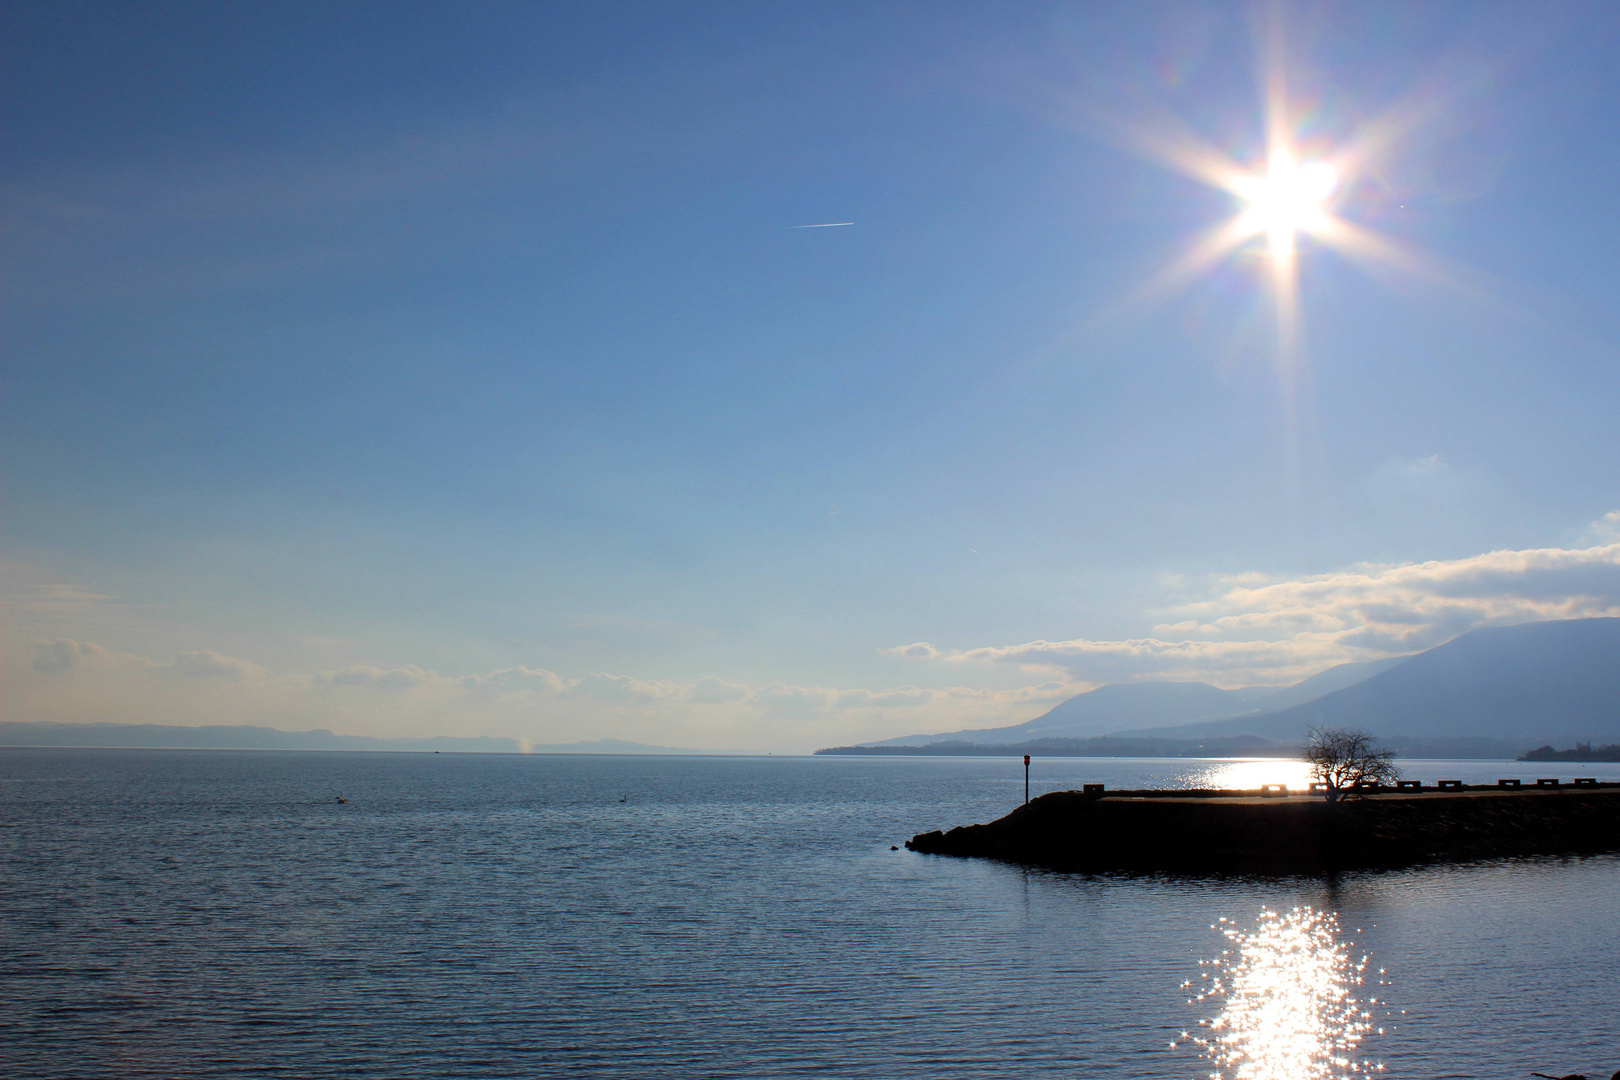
<point>1247,775</point>
<point>1290,1005</point>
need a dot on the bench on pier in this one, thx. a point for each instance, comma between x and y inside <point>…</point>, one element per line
<point>1274,789</point>
<point>1547,781</point>
<point>1450,785</point>
<point>1409,785</point>
<point>1093,789</point>
<point>1508,783</point>
<point>1585,781</point>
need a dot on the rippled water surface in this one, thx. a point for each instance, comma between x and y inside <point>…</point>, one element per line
<point>220,914</point>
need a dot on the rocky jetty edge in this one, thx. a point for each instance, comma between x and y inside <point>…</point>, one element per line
<point>1260,832</point>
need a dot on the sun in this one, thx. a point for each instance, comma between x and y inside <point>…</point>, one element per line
<point>1309,176</point>
<point>1289,198</point>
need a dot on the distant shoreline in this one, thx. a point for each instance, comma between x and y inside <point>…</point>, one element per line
<point>1581,752</point>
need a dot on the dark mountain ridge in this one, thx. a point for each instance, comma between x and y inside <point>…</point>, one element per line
<point>1548,682</point>
<point>1481,693</point>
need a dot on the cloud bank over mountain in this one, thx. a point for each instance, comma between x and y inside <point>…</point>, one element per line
<point>1256,629</point>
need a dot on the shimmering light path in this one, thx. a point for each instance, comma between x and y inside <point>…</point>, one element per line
<point>1291,1011</point>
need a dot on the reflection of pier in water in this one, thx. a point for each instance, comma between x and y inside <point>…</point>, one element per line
<point>1291,1009</point>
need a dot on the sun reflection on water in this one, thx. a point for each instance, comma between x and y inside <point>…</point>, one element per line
<point>1290,1005</point>
<point>1246,775</point>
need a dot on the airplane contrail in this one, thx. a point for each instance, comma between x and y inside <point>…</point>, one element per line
<point>825,225</point>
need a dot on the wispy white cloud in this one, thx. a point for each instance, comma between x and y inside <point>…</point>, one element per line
<point>514,680</point>
<point>713,691</point>
<point>1605,530</point>
<point>60,655</point>
<point>1135,658</point>
<point>618,688</point>
<point>917,650</point>
<point>208,664</point>
<point>64,654</point>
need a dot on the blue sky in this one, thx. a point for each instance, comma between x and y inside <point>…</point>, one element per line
<point>419,368</point>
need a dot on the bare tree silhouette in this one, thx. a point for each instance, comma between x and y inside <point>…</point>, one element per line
<point>1342,758</point>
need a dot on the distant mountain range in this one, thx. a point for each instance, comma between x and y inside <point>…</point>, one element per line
<point>1489,692</point>
<point>245,737</point>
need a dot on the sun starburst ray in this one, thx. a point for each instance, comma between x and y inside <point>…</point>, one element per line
<point>1207,250</point>
<point>1167,142</point>
<point>1300,186</point>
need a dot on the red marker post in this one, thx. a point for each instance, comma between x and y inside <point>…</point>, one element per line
<point>1026,779</point>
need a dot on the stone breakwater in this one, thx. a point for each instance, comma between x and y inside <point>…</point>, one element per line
<point>1249,832</point>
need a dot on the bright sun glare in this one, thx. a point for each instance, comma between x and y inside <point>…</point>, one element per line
<point>1290,198</point>
<point>1301,185</point>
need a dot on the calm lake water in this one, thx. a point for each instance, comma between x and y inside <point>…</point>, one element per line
<point>219,914</point>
